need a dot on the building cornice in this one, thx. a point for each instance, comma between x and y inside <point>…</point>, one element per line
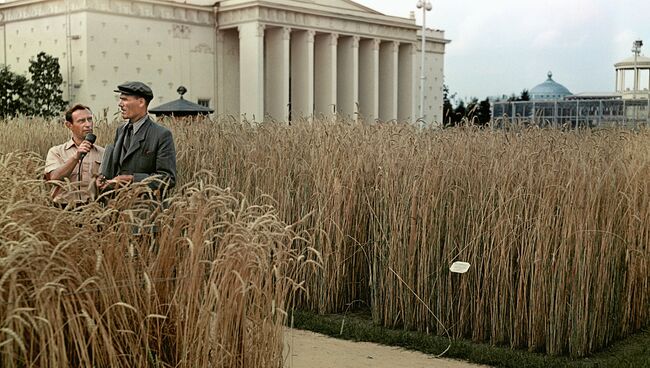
<point>151,9</point>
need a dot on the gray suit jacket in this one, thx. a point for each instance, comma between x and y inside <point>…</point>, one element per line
<point>152,154</point>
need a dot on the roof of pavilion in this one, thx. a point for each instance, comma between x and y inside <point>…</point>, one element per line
<point>630,62</point>
<point>180,106</point>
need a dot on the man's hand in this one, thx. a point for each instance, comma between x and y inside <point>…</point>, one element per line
<point>122,180</point>
<point>117,182</point>
<point>101,183</point>
<point>83,148</point>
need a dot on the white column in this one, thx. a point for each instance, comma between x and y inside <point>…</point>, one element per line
<point>369,79</point>
<point>302,74</point>
<point>635,85</point>
<point>416,84</point>
<point>251,71</point>
<point>406,83</point>
<point>217,69</point>
<point>276,95</point>
<point>622,80</point>
<point>219,102</point>
<point>348,77</point>
<point>388,73</point>
<point>228,72</point>
<point>325,51</point>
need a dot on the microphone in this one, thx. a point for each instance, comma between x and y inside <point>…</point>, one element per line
<point>90,137</point>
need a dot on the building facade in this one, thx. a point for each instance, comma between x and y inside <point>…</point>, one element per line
<point>258,60</point>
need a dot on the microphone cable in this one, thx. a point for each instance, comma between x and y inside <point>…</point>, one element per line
<point>79,172</point>
<point>90,137</point>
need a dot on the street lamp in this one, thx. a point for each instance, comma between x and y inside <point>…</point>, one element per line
<point>425,6</point>
<point>636,49</point>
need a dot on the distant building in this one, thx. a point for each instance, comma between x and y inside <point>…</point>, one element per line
<point>633,77</point>
<point>261,59</point>
<point>553,104</point>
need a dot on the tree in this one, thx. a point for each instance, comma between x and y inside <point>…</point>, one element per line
<point>471,109</point>
<point>46,94</point>
<point>459,112</point>
<point>447,107</point>
<point>479,113</point>
<point>484,112</point>
<point>524,96</point>
<point>14,93</point>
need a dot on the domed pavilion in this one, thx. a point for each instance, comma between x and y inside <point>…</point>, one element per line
<point>549,90</point>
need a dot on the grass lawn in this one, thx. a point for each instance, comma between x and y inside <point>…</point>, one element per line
<point>633,351</point>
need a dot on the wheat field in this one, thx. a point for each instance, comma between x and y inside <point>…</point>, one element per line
<point>554,224</point>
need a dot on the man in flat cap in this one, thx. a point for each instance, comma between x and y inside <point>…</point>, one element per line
<point>142,149</point>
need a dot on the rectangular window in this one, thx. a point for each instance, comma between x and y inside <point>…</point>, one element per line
<point>205,102</point>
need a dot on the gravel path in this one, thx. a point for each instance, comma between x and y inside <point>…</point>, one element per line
<point>305,349</point>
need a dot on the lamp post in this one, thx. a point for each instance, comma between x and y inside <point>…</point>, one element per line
<point>636,49</point>
<point>425,6</point>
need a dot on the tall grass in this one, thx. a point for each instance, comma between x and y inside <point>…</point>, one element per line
<point>554,223</point>
<point>205,283</point>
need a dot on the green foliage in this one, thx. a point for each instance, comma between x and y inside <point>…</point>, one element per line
<point>479,113</point>
<point>447,107</point>
<point>475,112</point>
<point>47,96</point>
<point>14,93</point>
<point>524,96</point>
<point>460,111</point>
<point>41,96</point>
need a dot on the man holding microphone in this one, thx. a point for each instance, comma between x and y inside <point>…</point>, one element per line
<point>76,161</point>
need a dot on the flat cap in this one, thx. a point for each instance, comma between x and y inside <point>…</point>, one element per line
<point>135,89</point>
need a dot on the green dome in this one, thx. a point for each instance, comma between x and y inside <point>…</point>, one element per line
<point>549,90</point>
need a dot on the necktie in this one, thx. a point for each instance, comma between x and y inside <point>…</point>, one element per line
<point>127,139</point>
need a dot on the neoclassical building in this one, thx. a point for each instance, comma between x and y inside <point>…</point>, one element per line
<point>257,59</point>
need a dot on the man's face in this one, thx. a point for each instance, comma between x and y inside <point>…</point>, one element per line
<point>82,124</point>
<point>132,107</point>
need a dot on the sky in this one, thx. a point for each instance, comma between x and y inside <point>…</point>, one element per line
<point>505,46</point>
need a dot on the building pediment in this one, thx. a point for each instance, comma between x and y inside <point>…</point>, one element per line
<point>339,4</point>
<point>317,15</point>
<point>339,7</point>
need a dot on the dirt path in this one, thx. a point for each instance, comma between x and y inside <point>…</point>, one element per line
<point>305,349</point>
